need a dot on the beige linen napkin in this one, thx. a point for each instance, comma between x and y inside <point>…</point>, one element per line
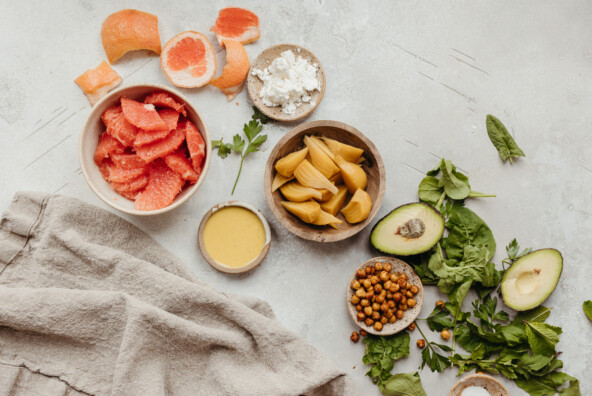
<point>89,304</point>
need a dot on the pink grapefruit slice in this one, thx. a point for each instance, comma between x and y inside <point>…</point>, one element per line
<point>195,144</point>
<point>163,186</point>
<point>178,162</point>
<point>142,115</point>
<point>163,99</point>
<point>107,145</point>
<point>188,60</point>
<point>170,118</point>
<point>163,147</point>
<point>118,126</point>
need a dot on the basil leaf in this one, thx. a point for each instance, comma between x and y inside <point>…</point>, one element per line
<point>429,191</point>
<point>587,306</point>
<point>502,140</point>
<point>404,384</point>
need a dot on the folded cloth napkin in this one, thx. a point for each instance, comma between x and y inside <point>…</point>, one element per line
<point>90,304</point>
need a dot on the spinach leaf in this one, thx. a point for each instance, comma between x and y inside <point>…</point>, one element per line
<point>542,337</point>
<point>381,353</point>
<point>502,140</point>
<point>429,190</point>
<point>455,184</point>
<point>404,384</point>
<point>587,306</point>
<point>467,229</point>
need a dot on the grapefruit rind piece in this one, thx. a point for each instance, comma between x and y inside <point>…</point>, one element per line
<point>95,83</point>
<point>163,147</point>
<point>164,184</point>
<point>238,24</point>
<point>188,60</point>
<point>195,145</point>
<point>142,115</point>
<point>235,72</point>
<point>129,30</point>
<point>163,99</point>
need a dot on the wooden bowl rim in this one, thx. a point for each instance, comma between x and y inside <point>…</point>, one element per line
<point>254,95</point>
<point>401,324</point>
<point>311,233</point>
<point>468,381</point>
<point>224,268</point>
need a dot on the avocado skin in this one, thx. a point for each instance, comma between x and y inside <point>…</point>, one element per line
<point>551,292</point>
<point>397,208</point>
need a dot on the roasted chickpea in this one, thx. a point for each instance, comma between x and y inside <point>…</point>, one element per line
<point>368,270</point>
<point>387,284</point>
<point>384,307</point>
<point>403,307</point>
<point>361,293</point>
<point>414,289</point>
<point>355,337</point>
<point>376,306</point>
<point>368,311</point>
<point>363,332</point>
<point>389,314</point>
<point>411,326</point>
<point>368,322</point>
<point>409,294</point>
<point>364,302</point>
<point>395,287</point>
<point>360,316</point>
<point>378,326</point>
<point>383,320</point>
<point>367,284</point>
<point>378,266</point>
<point>387,267</point>
<point>389,295</point>
<point>360,274</point>
<point>403,300</point>
<point>394,278</point>
<point>440,304</point>
<point>421,343</point>
<point>399,314</point>
<point>377,288</point>
<point>445,334</point>
<point>403,276</point>
<point>408,285</point>
<point>370,294</point>
<point>391,303</point>
<point>375,315</point>
<point>411,302</point>
<point>402,283</point>
<point>355,299</point>
<point>359,308</point>
<point>374,279</point>
<point>392,319</point>
<point>384,276</point>
<point>356,285</point>
<point>397,297</point>
<point>380,298</point>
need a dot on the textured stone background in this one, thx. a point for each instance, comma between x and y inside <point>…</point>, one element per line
<point>417,78</point>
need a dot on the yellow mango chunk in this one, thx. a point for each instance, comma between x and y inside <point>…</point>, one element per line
<point>279,181</point>
<point>347,152</point>
<point>307,211</point>
<point>334,205</point>
<point>358,208</point>
<point>353,175</point>
<point>319,159</point>
<point>290,162</point>
<point>296,192</point>
<point>309,176</point>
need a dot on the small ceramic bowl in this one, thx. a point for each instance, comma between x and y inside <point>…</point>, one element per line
<point>224,268</point>
<point>373,166</point>
<point>490,384</point>
<point>411,314</point>
<point>89,137</point>
<point>254,83</point>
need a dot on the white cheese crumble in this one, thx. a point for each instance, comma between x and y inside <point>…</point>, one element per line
<point>288,82</point>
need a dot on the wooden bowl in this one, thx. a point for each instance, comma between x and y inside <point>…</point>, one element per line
<point>224,268</point>
<point>373,166</point>
<point>490,384</point>
<point>92,129</point>
<point>410,315</point>
<point>254,84</point>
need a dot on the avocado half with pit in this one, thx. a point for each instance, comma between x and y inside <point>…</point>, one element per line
<point>531,279</point>
<point>410,229</point>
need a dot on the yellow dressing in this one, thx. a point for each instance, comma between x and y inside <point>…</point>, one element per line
<point>234,236</point>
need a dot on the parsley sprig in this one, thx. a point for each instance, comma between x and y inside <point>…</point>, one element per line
<point>251,130</point>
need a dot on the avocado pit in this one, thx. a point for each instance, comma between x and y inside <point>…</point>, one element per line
<point>413,228</point>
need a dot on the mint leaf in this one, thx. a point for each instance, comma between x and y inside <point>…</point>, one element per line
<point>404,384</point>
<point>502,140</point>
<point>587,306</point>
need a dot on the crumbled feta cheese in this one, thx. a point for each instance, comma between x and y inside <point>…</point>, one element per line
<point>288,82</point>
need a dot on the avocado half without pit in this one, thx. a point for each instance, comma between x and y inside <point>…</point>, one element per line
<point>531,279</point>
<point>410,229</point>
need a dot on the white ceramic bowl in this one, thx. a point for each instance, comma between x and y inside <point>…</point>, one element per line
<point>89,137</point>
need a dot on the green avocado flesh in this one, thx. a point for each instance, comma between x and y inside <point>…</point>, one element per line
<point>531,279</point>
<point>386,235</point>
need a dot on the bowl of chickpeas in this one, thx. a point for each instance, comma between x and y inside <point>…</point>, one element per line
<point>384,296</point>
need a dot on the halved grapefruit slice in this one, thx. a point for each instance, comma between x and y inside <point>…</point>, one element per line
<point>178,162</point>
<point>238,24</point>
<point>142,115</point>
<point>129,30</point>
<point>163,186</point>
<point>170,118</point>
<point>118,126</point>
<point>188,60</point>
<point>163,99</point>
<point>235,72</point>
<point>195,144</point>
<point>95,83</point>
<point>163,147</point>
<point>107,145</point>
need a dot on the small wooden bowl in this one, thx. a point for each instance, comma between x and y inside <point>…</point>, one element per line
<point>373,166</point>
<point>490,384</point>
<point>224,268</point>
<point>410,315</point>
<point>254,84</point>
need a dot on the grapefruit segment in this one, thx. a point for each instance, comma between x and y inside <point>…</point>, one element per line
<point>129,30</point>
<point>133,185</point>
<point>126,160</point>
<point>107,145</point>
<point>142,115</point>
<point>178,162</point>
<point>95,83</point>
<point>235,72</point>
<point>238,24</point>
<point>163,186</point>
<point>163,147</point>
<point>118,126</point>
<point>188,60</point>
<point>123,175</point>
<point>163,99</point>
<point>195,144</point>
<point>170,117</point>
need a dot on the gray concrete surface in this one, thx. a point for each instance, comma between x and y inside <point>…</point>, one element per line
<point>418,78</point>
